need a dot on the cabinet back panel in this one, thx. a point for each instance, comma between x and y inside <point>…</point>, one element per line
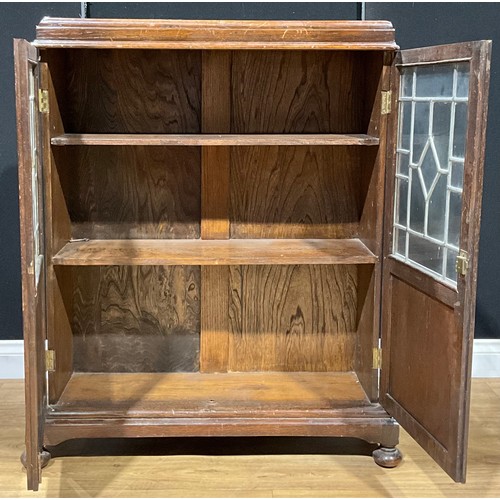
<point>130,91</point>
<point>299,92</point>
<point>282,318</point>
<point>135,318</point>
<point>131,192</point>
<point>296,192</point>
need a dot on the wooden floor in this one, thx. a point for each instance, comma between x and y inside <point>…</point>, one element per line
<point>249,467</point>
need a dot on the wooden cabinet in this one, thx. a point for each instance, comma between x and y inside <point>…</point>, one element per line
<point>235,228</point>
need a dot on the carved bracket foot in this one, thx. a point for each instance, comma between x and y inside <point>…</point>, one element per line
<point>387,457</point>
<point>44,458</point>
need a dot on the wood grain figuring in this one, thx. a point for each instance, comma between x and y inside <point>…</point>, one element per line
<point>131,91</point>
<point>134,192</point>
<point>233,468</point>
<point>215,163</point>
<point>214,340</point>
<point>377,73</point>
<point>215,140</point>
<point>171,34</point>
<point>213,252</point>
<point>212,393</point>
<point>136,319</point>
<point>413,371</point>
<point>297,92</point>
<point>295,192</point>
<point>292,318</point>
<point>58,229</point>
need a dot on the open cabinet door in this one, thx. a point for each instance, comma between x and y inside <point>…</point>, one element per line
<point>32,260</point>
<point>433,209</point>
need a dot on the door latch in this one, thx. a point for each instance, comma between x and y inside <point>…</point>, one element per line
<point>462,263</point>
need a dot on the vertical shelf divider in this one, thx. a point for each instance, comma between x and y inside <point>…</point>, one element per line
<point>215,174</point>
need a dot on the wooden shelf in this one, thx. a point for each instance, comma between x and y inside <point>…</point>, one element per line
<point>211,394</point>
<point>214,252</point>
<point>214,140</point>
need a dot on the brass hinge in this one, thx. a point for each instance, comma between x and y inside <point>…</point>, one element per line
<point>43,101</point>
<point>386,102</point>
<point>462,262</point>
<point>50,360</point>
<point>377,358</point>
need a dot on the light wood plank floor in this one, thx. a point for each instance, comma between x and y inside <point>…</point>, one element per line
<point>249,467</point>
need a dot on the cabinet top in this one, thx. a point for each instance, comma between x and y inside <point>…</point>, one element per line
<point>55,32</point>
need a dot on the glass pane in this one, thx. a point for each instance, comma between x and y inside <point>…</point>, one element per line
<point>460,130</point>
<point>429,169</point>
<point>451,265</point>
<point>420,129</point>
<point>437,210</point>
<point>432,128</point>
<point>405,132</point>
<point>402,204</point>
<point>407,83</point>
<point>417,205</point>
<point>463,79</point>
<point>426,253</point>
<point>434,81</point>
<point>400,239</point>
<point>441,131</point>
<point>457,174</point>
<point>402,162</point>
<point>454,219</point>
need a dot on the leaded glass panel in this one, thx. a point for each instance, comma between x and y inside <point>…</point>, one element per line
<point>430,165</point>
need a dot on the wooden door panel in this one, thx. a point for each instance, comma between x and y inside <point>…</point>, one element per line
<point>32,260</point>
<point>440,99</point>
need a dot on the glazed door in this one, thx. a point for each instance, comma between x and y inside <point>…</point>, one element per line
<point>433,209</point>
<point>32,259</point>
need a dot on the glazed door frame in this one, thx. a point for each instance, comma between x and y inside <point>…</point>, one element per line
<point>32,253</point>
<point>427,322</point>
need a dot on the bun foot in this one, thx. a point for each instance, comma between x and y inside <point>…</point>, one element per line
<point>44,458</point>
<point>387,457</point>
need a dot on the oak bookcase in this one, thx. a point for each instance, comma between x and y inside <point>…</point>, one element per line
<point>224,224</point>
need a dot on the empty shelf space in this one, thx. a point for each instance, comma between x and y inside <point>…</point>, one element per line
<point>209,394</point>
<point>214,252</point>
<point>214,140</point>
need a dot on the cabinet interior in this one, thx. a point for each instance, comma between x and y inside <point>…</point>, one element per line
<point>156,329</point>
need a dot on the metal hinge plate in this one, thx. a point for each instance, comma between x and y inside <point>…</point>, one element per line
<point>386,102</point>
<point>377,358</point>
<point>50,360</point>
<point>43,101</point>
<point>462,263</point>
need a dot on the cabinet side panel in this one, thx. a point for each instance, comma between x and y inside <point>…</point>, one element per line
<point>131,91</point>
<point>295,192</point>
<point>136,318</point>
<point>292,318</point>
<point>58,232</point>
<point>131,192</point>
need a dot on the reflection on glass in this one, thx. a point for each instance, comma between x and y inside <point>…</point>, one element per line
<point>457,174</point>
<point>430,167</point>
<point>425,253</point>
<point>420,129</point>
<point>402,200</point>
<point>405,132</point>
<point>434,81</point>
